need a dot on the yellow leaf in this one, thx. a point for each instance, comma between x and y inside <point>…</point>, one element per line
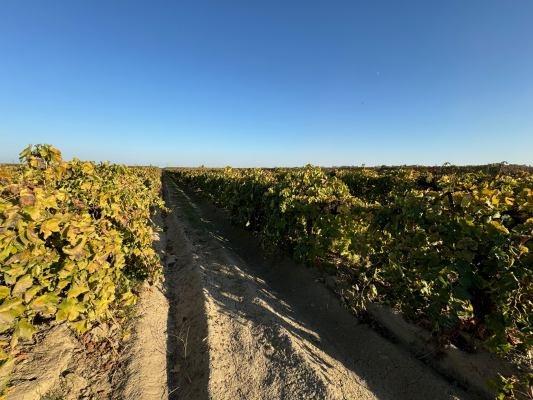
<point>85,186</point>
<point>33,212</point>
<point>10,304</point>
<point>7,318</point>
<point>80,326</point>
<point>31,292</point>
<point>499,226</point>
<point>69,309</point>
<point>76,290</point>
<point>76,252</point>
<point>88,168</point>
<point>50,225</point>
<point>63,283</point>
<point>23,284</point>
<point>45,304</point>
<point>31,235</point>
<point>24,329</point>
<point>4,292</point>
<point>128,298</point>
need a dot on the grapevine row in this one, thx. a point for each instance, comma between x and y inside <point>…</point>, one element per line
<point>452,250</point>
<point>75,241</point>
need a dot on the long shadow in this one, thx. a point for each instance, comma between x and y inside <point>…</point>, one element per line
<point>297,302</point>
<point>187,353</point>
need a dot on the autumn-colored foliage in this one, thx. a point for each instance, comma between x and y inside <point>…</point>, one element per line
<point>75,240</point>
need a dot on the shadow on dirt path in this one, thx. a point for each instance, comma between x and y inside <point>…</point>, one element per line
<point>274,331</point>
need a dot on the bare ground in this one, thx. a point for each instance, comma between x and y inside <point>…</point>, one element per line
<point>144,374</point>
<point>243,325</point>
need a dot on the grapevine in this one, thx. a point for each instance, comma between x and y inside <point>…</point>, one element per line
<point>75,241</point>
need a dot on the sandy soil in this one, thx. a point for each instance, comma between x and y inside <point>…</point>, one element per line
<point>144,374</point>
<point>243,325</point>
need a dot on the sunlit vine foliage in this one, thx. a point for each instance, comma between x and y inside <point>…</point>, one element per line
<point>75,240</point>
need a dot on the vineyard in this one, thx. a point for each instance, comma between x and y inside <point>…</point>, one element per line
<point>75,241</point>
<point>451,249</point>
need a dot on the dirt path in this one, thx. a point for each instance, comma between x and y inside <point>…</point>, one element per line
<point>245,326</point>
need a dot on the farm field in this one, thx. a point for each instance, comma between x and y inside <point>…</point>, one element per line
<point>325,200</point>
<point>260,283</point>
<point>449,248</point>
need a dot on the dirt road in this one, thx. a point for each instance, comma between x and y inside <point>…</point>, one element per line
<point>242,325</point>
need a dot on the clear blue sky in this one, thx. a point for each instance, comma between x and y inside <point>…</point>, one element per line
<point>269,82</point>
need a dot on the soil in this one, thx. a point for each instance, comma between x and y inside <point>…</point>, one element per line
<point>244,324</point>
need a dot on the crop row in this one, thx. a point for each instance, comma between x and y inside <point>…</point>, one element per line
<point>450,250</point>
<point>75,241</point>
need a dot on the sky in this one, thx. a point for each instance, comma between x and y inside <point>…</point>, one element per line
<point>269,83</point>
